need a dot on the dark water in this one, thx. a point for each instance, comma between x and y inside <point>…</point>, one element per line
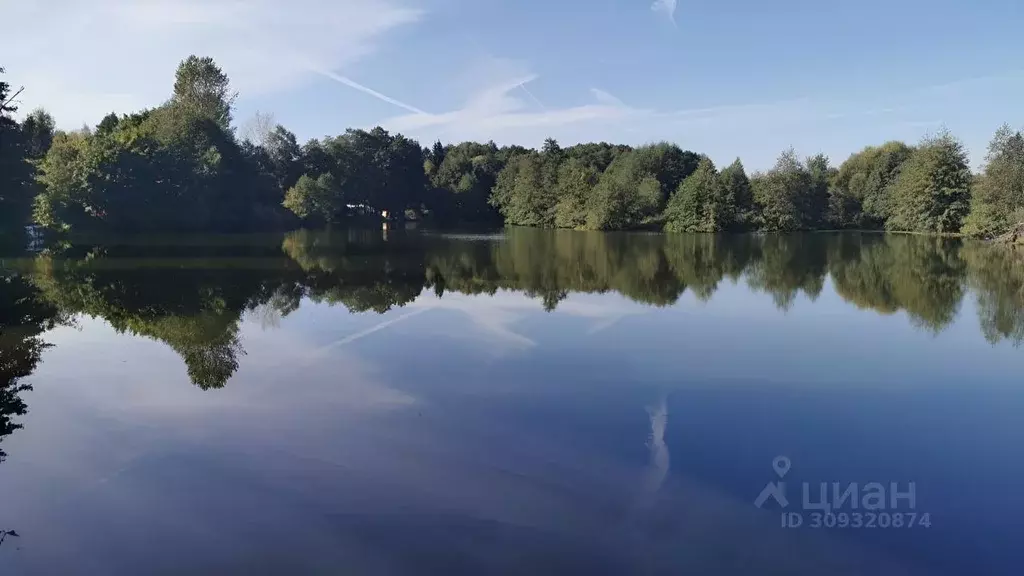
<point>527,403</point>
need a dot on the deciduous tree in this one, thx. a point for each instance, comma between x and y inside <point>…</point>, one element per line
<point>203,88</point>
<point>933,190</point>
<point>997,200</point>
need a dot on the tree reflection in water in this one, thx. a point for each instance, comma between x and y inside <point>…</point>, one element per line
<point>193,296</point>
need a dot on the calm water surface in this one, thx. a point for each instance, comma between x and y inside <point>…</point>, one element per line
<point>526,403</point>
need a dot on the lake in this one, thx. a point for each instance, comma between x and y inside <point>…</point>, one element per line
<point>523,402</point>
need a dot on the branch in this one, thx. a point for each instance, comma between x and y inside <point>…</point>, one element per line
<point>11,99</point>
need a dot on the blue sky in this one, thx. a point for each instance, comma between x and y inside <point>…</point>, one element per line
<point>743,78</point>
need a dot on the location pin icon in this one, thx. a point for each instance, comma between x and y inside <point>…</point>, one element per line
<point>781,465</point>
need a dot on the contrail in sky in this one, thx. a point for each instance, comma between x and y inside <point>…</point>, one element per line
<point>353,84</point>
<point>530,94</point>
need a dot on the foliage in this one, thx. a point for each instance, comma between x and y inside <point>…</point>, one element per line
<point>176,296</point>
<point>597,156</point>
<point>6,108</point>
<point>317,199</point>
<point>524,193</point>
<point>284,156</point>
<point>576,181</point>
<point>786,265</point>
<point>859,197</point>
<point>15,172</point>
<point>933,189</point>
<point>996,278</point>
<point>737,187</point>
<point>595,186</point>
<point>37,131</point>
<point>173,168</point>
<point>461,187</point>
<point>784,196</point>
<point>24,316</point>
<point>702,204</point>
<point>997,200</point>
<point>158,170</point>
<point>667,163</point>
<point>816,203</point>
<point>922,276</point>
<point>371,172</point>
<point>202,89</point>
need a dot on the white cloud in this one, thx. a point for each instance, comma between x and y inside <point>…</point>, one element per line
<point>493,316</point>
<point>667,7</point>
<point>658,468</point>
<point>82,60</point>
<point>496,111</point>
<point>500,110</point>
<point>496,315</point>
<point>505,111</point>
<point>605,98</point>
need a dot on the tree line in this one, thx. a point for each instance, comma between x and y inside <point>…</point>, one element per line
<point>182,167</point>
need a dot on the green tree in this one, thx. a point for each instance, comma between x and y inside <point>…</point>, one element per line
<point>597,156</point>
<point>666,162</point>
<point>702,203</point>
<point>202,87</point>
<point>782,195</point>
<point>551,148</point>
<point>632,192</point>
<point>522,192</point>
<point>15,173</point>
<point>6,109</point>
<point>172,168</point>
<point>66,199</point>
<point>816,202</point>
<point>461,188</point>
<point>405,183</point>
<point>932,192</point>
<point>997,199</point>
<point>859,196</point>
<point>552,157</point>
<point>318,199</point>
<point>37,131</point>
<point>108,124</point>
<point>627,195</point>
<point>377,171</point>
<point>285,156</point>
<point>737,187</point>
<point>437,153</point>
<point>576,181</point>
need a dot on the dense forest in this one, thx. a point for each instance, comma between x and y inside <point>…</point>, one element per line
<point>182,167</point>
